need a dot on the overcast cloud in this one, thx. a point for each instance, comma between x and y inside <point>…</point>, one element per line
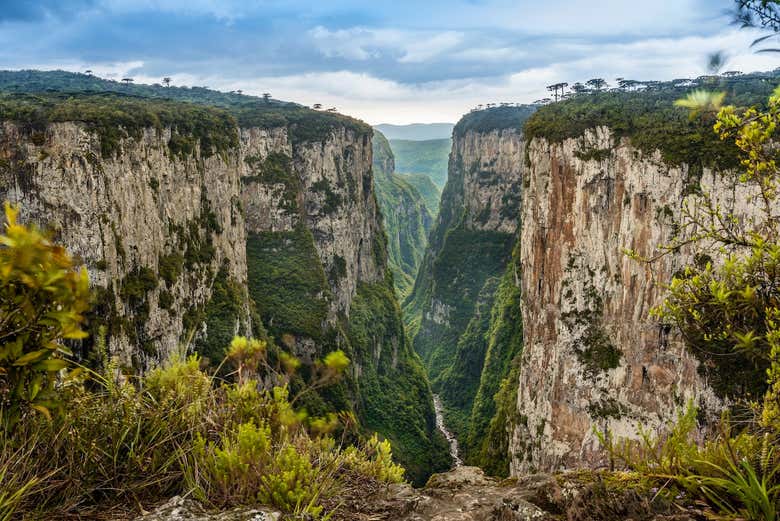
<point>385,62</point>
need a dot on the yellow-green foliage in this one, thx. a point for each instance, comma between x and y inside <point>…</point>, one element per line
<point>381,466</point>
<point>728,312</point>
<point>735,472</point>
<point>42,302</point>
<point>180,431</point>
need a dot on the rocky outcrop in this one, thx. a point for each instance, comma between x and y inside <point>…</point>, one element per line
<point>593,358</point>
<point>180,509</point>
<point>466,494</point>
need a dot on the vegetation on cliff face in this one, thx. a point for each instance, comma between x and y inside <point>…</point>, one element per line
<point>494,408</point>
<point>394,391</point>
<point>430,193</point>
<point>406,217</point>
<point>427,157</point>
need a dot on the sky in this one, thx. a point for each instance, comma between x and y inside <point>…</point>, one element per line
<point>384,62</point>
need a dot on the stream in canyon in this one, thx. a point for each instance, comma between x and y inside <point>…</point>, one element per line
<point>456,461</point>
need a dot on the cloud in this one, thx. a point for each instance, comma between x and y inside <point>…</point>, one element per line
<point>386,62</point>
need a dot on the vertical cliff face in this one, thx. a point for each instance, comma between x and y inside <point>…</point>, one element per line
<point>156,230</point>
<point>592,355</point>
<point>407,220</point>
<point>469,253</point>
<point>323,190</point>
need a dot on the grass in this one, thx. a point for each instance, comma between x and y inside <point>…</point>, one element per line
<point>180,431</point>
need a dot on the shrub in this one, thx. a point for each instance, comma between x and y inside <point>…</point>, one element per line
<point>43,299</point>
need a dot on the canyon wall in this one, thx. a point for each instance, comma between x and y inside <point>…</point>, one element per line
<point>463,284</point>
<point>593,358</point>
<point>155,229</point>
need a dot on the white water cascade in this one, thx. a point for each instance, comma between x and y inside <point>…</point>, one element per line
<point>456,461</point>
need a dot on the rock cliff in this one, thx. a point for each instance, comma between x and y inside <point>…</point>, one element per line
<point>592,356</point>
<point>156,230</point>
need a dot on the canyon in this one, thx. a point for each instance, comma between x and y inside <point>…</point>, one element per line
<point>515,301</point>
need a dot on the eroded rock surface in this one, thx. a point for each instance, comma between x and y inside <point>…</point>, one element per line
<point>180,509</point>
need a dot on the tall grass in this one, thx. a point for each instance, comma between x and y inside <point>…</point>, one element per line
<point>179,430</point>
<point>736,472</point>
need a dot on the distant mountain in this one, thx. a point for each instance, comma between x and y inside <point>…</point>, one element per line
<point>416,131</point>
<point>428,157</point>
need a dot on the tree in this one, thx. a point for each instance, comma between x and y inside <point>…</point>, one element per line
<point>759,14</point>
<point>596,83</point>
<point>239,91</point>
<point>317,106</point>
<point>266,97</point>
<point>88,72</point>
<point>43,299</point>
<point>167,81</point>
<point>579,88</point>
<point>127,81</point>
<point>555,87</point>
<point>628,84</point>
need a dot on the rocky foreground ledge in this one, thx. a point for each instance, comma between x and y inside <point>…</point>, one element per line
<point>466,494</point>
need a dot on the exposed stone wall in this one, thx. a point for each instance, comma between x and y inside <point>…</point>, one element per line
<point>121,214</point>
<point>125,213</point>
<point>592,355</point>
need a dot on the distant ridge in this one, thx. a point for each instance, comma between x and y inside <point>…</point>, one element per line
<point>416,131</point>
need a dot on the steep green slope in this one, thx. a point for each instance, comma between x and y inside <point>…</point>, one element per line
<point>406,217</point>
<point>430,193</point>
<point>423,157</point>
<point>465,310</point>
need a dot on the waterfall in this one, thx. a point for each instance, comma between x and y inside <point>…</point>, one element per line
<point>456,461</point>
